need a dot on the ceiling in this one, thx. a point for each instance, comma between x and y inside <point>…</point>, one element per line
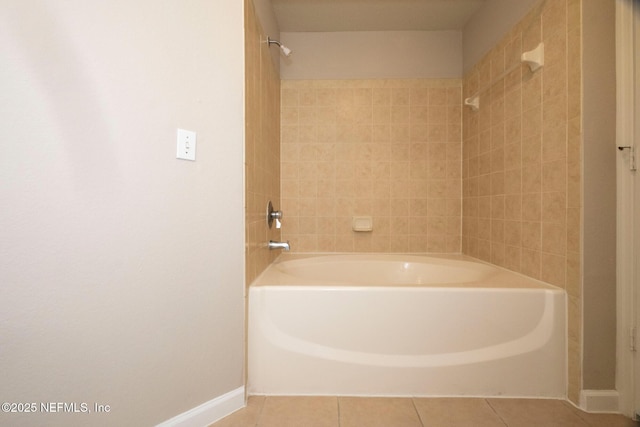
<point>373,15</point>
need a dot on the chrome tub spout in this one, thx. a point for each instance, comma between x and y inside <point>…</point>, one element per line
<point>279,245</point>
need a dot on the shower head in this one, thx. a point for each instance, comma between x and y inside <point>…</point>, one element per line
<point>285,50</point>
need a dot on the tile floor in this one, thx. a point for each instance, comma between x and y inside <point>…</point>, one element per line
<point>332,411</point>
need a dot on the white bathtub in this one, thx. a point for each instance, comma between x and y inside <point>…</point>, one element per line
<point>403,325</point>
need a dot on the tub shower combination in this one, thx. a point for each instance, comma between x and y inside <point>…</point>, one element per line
<point>403,325</point>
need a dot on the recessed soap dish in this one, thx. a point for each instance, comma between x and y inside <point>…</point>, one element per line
<point>362,223</point>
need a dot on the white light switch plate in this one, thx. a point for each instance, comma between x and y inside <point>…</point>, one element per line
<point>186,145</point>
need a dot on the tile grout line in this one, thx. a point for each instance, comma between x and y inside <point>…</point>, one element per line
<point>415,408</point>
<point>496,412</point>
<point>338,403</point>
<point>577,413</point>
<point>264,402</point>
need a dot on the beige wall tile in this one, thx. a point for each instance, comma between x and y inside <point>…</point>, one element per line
<point>554,207</point>
<point>392,155</point>
<point>263,152</point>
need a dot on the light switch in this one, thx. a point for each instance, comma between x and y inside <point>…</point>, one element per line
<point>186,145</point>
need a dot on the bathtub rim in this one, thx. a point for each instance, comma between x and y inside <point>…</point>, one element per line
<point>502,278</point>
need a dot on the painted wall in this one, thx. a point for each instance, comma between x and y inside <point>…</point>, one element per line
<point>488,25</point>
<point>599,195</point>
<point>400,54</point>
<point>372,55</point>
<point>121,267</point>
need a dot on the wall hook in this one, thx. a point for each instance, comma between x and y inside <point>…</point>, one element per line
<point>473,102</point>
<point>534,58</point>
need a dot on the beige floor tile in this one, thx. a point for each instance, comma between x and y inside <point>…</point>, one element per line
<point>536,413</point>
<point>299,411</point>
<point>245,417</point>
<point>378,412</point>
<point>332,411</point>
<point>457,412</point>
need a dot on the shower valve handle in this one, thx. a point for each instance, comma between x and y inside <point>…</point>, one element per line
<point>273,215</point>
<point>277,216</point>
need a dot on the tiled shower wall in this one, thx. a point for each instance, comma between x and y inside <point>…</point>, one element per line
<point>522,159</point>
<point>389,149</point>
<point>262,145</point>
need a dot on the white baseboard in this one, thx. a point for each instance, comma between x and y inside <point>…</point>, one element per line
<point>209,412</point>
<point>606,401</point>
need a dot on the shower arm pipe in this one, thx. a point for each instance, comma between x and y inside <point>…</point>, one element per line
<point>270,40</point>
<point>285,50</point>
